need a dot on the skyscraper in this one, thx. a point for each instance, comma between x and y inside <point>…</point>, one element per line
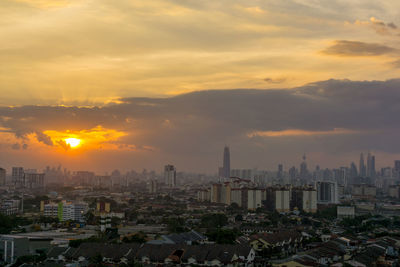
<point>303,168</point>
<point>226,167</point>
<point>362,170</point>
<point>170,175</point>
<point>370,165</point>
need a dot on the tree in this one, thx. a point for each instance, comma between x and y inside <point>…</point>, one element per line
<point>216,220</point>
<point>96,261</point>
<point>176,225</point>
<point>223,236</point>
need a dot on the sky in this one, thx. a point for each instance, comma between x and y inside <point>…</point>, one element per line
<point>140,84</point>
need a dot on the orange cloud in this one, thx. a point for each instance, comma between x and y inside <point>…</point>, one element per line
<point>297,132</point>
<point>94,138</point>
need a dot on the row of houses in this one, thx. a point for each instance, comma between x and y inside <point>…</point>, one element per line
<point>151,254</point>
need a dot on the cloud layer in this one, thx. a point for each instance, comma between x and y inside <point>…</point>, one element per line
<point>72,52</point>
<point>332,119</point>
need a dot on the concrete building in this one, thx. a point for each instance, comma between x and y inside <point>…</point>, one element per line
<point>2,177</point>
<point>10,206</point>
<point>50,210</point>
<point>18,176</point>
<point>225,170</point>
<point>363,191</point>
<point>255,198</point>
<point>345,212</point>
<point>304,198</point>
<point>34,180</point>
<point>170,175</point>
<point>204,195</point>
<point>152,186</point>
<point>278,198</point>
<point>67,211</point>
<point>216,194</point>
<point>327,192</point>
<point>394,191</point>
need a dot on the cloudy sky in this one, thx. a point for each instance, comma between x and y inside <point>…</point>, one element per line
<point>145,83</point>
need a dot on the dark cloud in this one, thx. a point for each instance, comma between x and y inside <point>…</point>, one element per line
<point>392,25</point>
<point>16,146</point>
<point>41,137</point>
<point>191,129</point>
<point>355,48</point>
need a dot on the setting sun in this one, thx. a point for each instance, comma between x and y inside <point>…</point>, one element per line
<point>73,142</point>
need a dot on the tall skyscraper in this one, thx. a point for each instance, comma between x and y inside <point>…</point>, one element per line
<point>170,175</point>
<point>362,170</point>
<point>303,168</point>
<point>226,167</point>
<point>370,165</point>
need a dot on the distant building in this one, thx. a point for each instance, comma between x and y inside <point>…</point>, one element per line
<point>394,191</point>
<point>67,211</point>
<point>225,170</point>
<point>327,192</point>
<point>216,193</point>
<point>34,180</point>
<point>18,176</point>
<point>50,210</point>
<point>2,177</point>
<point>363,191</point>
<point>255,198</point>
<point>278,198</point>
<point>84,178</point>
<point>345,212</point>
<point>103,207</point>
<point>204,195</point>
<point>304,198</point>
<point>170,175</point>
<point>362,169</point>
<point>152,186</point>
<point>10,206</point>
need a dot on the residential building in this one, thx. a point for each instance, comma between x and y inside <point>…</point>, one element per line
<point>18,176</point>
<point>327,192</point>
<point>170,175</point>
<point>2,177</point>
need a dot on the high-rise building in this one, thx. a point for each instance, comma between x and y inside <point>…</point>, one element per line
<point>353,171</point>
<point>278,198</point>
<point>170,175</point>
<point>2,177</point>
<point>370,166</point>
<point>397,165</point>
<point>362,169</point>
<point>304,198</point>
<point>34,180</point>
<point>327,192</point>
<point>225,171</point>
<point>303,169</point>
<point>152,186</point>
<point>18,176</point>
<point>396,170</point>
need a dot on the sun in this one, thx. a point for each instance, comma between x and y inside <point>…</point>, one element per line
<point>73,142</point>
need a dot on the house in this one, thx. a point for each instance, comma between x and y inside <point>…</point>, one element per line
<point>280,242</point>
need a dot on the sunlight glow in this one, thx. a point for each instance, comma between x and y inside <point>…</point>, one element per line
<point>73,142</point>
